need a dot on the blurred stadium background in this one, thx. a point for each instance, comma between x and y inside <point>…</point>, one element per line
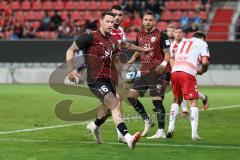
<point>34,36</point>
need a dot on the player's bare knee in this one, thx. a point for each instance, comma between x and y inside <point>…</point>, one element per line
<point>132,93</point>
<point>110,100</point>
<point>193,103</point>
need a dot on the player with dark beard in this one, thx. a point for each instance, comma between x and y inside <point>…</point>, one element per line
<point>155,73</point>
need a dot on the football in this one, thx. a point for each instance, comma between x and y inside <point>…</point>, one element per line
<point>130,73</point>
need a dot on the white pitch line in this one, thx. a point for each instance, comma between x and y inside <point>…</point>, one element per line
<point>43,128</point>
<point>115,143</point>
<point>83,123</point>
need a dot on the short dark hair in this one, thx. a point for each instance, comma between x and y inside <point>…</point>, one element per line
<point>117,7</point>
<point>199,34</point>
<point>107,13</point>
<point>149,12</point>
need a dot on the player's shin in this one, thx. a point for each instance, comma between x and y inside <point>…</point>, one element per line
<point>160,113</point>
<point>173,116</point>
<point>139,108</point>
<point>194,113</point>
<point>184,106</point>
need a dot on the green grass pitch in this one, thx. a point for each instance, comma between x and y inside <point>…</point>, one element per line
<point>32,106</point>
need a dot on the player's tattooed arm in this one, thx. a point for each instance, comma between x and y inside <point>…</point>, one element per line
<point>134,57</point>
<point>118,64</point>
<point>70,55</point>
<point>160,69</point>
<point>171,62</point>
<point>133,47</point>
<point>204,66</point>
<point>165,45</point>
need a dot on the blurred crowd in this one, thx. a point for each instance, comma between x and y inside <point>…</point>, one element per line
<point>54,26</point>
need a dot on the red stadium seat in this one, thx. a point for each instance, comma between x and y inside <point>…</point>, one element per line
<point>70,5</point>
<point>172,5</point>
<point>18,14</point>
<point>183,5</point>
<point>97,14</point>
<point>3,5</point>
<point>26,5</point>
<point>75,15</point>
<point>47,5</point>
<point>104,5</point>
<point>87,15</point>
<point>116,3</point>
<point>162,25</point>
<point>191,14</point>
<point>81,5</point>
<point>131,36</point>
<point>177,15</point>
<point>31,15</point>
<point>15,5</point>
<point>193,4</point>
<point>51,13</point>
<point>64,15</point>
<point>58,5</point>
<point>39,15</point>
<point>166,16</point>
<point>126,22</point>
<point>203,15</point>
<point>37,5</point>
<point>35,24</point>
<point>93,5</point>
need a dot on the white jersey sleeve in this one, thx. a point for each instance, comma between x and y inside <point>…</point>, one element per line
<point>205,50</point>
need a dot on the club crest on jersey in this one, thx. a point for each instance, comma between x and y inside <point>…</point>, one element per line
<point>153,39</point>
<point>167,42</point>
<point>113,46</point>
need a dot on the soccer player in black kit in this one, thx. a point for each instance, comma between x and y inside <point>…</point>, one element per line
<point>155,73</point>
<point>101,48</point>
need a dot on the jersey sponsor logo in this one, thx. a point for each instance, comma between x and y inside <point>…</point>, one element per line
<point>153,39</point>
<point>107,54</point>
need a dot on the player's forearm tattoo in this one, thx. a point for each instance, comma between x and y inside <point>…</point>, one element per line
<point>128,45</point>
<point>204,68</point>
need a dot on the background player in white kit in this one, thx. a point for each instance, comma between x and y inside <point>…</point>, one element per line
<point>183,78</point>
<point>178,37</point>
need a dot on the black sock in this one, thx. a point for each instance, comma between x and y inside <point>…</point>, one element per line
<point>122,128</point>
<point>160,113</point>
<point>99,122</point>
<point>138,107</point>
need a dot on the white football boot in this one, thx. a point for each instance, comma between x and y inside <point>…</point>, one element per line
<point>95,132</point>
<point>160,134</point>
<point>148,124</point>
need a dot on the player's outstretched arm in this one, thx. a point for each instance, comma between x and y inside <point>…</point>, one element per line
<point>160,69</point>
<point>133,47</point>
<point>134,58</point>
<point>69,59</point>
